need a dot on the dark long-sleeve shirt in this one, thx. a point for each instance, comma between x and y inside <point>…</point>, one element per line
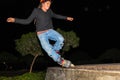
<point>43,19</point>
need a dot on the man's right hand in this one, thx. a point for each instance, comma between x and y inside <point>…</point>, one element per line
<point>10,19</point>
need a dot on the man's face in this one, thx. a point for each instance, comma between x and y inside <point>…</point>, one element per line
<point>46,5</point>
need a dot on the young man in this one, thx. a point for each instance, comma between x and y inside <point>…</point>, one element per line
<point>44,29</point>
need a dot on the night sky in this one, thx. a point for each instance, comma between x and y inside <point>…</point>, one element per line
<point>94,22</point>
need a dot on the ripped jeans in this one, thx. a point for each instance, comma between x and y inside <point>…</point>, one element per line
<point>49,48</point>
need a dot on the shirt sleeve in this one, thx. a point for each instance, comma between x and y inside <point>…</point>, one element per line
<point>54,15</point>
<point>28,20</point>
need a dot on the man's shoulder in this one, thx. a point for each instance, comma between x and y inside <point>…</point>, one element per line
<point>35,8</point>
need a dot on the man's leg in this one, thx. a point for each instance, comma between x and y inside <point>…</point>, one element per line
<point>44,39</point>
<point>58,38</point>
<point>48,47</point>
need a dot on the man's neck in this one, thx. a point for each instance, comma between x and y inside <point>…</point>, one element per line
<point>45,10</point>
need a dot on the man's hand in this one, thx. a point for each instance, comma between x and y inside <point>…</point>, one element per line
<point>10,19</point>
<point>70,18</point>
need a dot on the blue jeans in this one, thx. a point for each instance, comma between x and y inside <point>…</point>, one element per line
<point>49,48</point>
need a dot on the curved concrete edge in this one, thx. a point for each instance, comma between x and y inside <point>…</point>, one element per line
<point>82,73</point>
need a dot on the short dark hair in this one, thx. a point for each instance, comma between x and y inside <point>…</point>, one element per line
<point>42,1</point>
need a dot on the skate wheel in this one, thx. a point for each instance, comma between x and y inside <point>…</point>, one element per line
<point>72,65</point>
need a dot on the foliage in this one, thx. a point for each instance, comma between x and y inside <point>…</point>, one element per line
<point>28,44</point>
<point>71,39</point>
<point>27,76</point>
<point>110,55</point>
<point>7,57</point>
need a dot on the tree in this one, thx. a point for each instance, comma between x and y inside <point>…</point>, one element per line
<point>29,44</point>
<point>110,56</point>
<point>6,60</point>
<point>71,40</point>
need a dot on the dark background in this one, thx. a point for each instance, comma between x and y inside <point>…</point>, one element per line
<point>95,22</point>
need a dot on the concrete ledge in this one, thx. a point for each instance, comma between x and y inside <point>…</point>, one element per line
<point>85,72</point>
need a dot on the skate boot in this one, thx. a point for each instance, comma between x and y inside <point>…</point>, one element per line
<point>66,63</point>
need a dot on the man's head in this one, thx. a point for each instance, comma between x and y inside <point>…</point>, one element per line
<point>45,4</point>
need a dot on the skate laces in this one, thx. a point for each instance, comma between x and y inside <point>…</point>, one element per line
<point>63,62</point>
<point>66,63</point>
